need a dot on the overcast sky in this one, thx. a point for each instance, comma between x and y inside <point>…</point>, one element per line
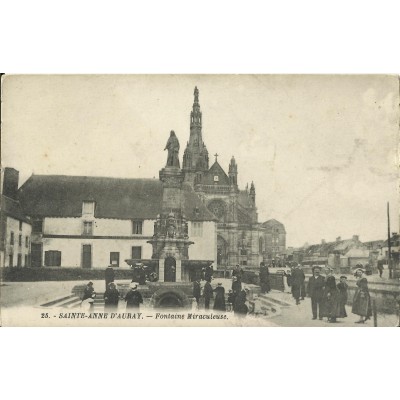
<point>321,150</point>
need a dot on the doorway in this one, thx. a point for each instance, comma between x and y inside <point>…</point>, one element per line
<point>170,269</point>
<point>36,254</point>
<point>87,256</point>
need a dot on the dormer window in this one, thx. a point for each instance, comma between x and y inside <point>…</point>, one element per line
<point>88,209</point>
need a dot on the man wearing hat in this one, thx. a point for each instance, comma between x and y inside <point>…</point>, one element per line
<point>89,294</point>
<point>109,275</point>
<point>208,294</point>
<point>298,278</point>
<point>111,298</point>
<point>315,290</point>
<point>133,298</point>
<point>197,290</point>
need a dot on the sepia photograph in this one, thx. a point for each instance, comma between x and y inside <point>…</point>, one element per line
<point>200,200</point>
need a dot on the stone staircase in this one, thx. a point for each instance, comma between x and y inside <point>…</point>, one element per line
<point>268,305</point>
<point>71,301</point>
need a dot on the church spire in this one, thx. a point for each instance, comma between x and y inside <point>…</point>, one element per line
<point>195,115</point>
<point>195,157</point>
<point>233,171</point>
<point>253,193</point>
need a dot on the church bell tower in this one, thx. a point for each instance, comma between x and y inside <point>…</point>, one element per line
<point>195,156</point>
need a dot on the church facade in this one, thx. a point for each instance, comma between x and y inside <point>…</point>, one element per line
<point>241,238</point>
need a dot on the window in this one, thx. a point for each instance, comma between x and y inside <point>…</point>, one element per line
<point>260,245</point>
<point>20,240</point>
<point>20,225</point>
<point>136,252</point>
<point>197,229</point>
<point>88,228</point>
<point>216,178</point>
<point>27,242</point>
<point>26,260</point>
<point>243,252</point>
<point>11,260</point>
<point>88,209</point>
<point>114,259</point>
<point>137,227</point>
<point>12,238</point>
<point>243,262</point>
<point>37,226</point>
<point>19,260</point>
<point>52,258</point>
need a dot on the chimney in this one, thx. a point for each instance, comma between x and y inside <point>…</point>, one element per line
<point>356,238</point>
<point>10,183</point>
<point>338,239</point>
<point>323,241</point>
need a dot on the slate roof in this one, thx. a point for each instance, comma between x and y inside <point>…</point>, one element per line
<point>357,253</point>
<point>12,208</point>
<point>394,240</point>
<point>244,199</point>
<point>330,247</point>
<point>118,198</point>
<point>215,169</point>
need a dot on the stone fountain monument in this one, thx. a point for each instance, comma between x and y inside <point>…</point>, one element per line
<point>170,240</point>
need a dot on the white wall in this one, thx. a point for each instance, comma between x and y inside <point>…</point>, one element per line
<point>101,226</point>
<point>12,225</point>
<point>204,247</point>
<point>71,250</point>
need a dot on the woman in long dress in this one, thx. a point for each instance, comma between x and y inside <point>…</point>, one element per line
<point>332,300</point>
<point>362,299</point>
<point>219,302</point>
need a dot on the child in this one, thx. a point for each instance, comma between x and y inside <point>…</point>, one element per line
<point>230,300</point>
<point>342,287</point>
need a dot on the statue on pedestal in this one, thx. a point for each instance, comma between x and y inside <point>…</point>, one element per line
<point>173,151</point>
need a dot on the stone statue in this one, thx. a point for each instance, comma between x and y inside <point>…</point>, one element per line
<point>173,151</point>
<point>171,226</point>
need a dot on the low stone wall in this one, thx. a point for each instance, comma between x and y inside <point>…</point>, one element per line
<point>29,274</point>
<point>153,293</point>
<point>384,293</point>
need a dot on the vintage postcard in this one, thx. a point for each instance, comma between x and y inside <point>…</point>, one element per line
<point>200,200</point>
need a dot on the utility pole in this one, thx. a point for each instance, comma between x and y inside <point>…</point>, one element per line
<point>389,245</point>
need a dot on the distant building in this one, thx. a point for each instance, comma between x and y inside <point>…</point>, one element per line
<point>332,254</point>
<point>15,226</point>
<point>394,248</point>
<point>274,235</point>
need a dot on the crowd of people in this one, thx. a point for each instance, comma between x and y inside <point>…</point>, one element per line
<point>112,296</point>
<point>236,299</point>
<point>328,297</point>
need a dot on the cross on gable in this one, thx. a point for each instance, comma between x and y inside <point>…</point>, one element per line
<point>216,157</point>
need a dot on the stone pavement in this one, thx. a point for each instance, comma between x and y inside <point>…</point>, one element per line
<point>293,315</point>
<point>37,293</point>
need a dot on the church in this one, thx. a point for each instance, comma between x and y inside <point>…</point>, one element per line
<point>190,216</point>
<point>241,239</point>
